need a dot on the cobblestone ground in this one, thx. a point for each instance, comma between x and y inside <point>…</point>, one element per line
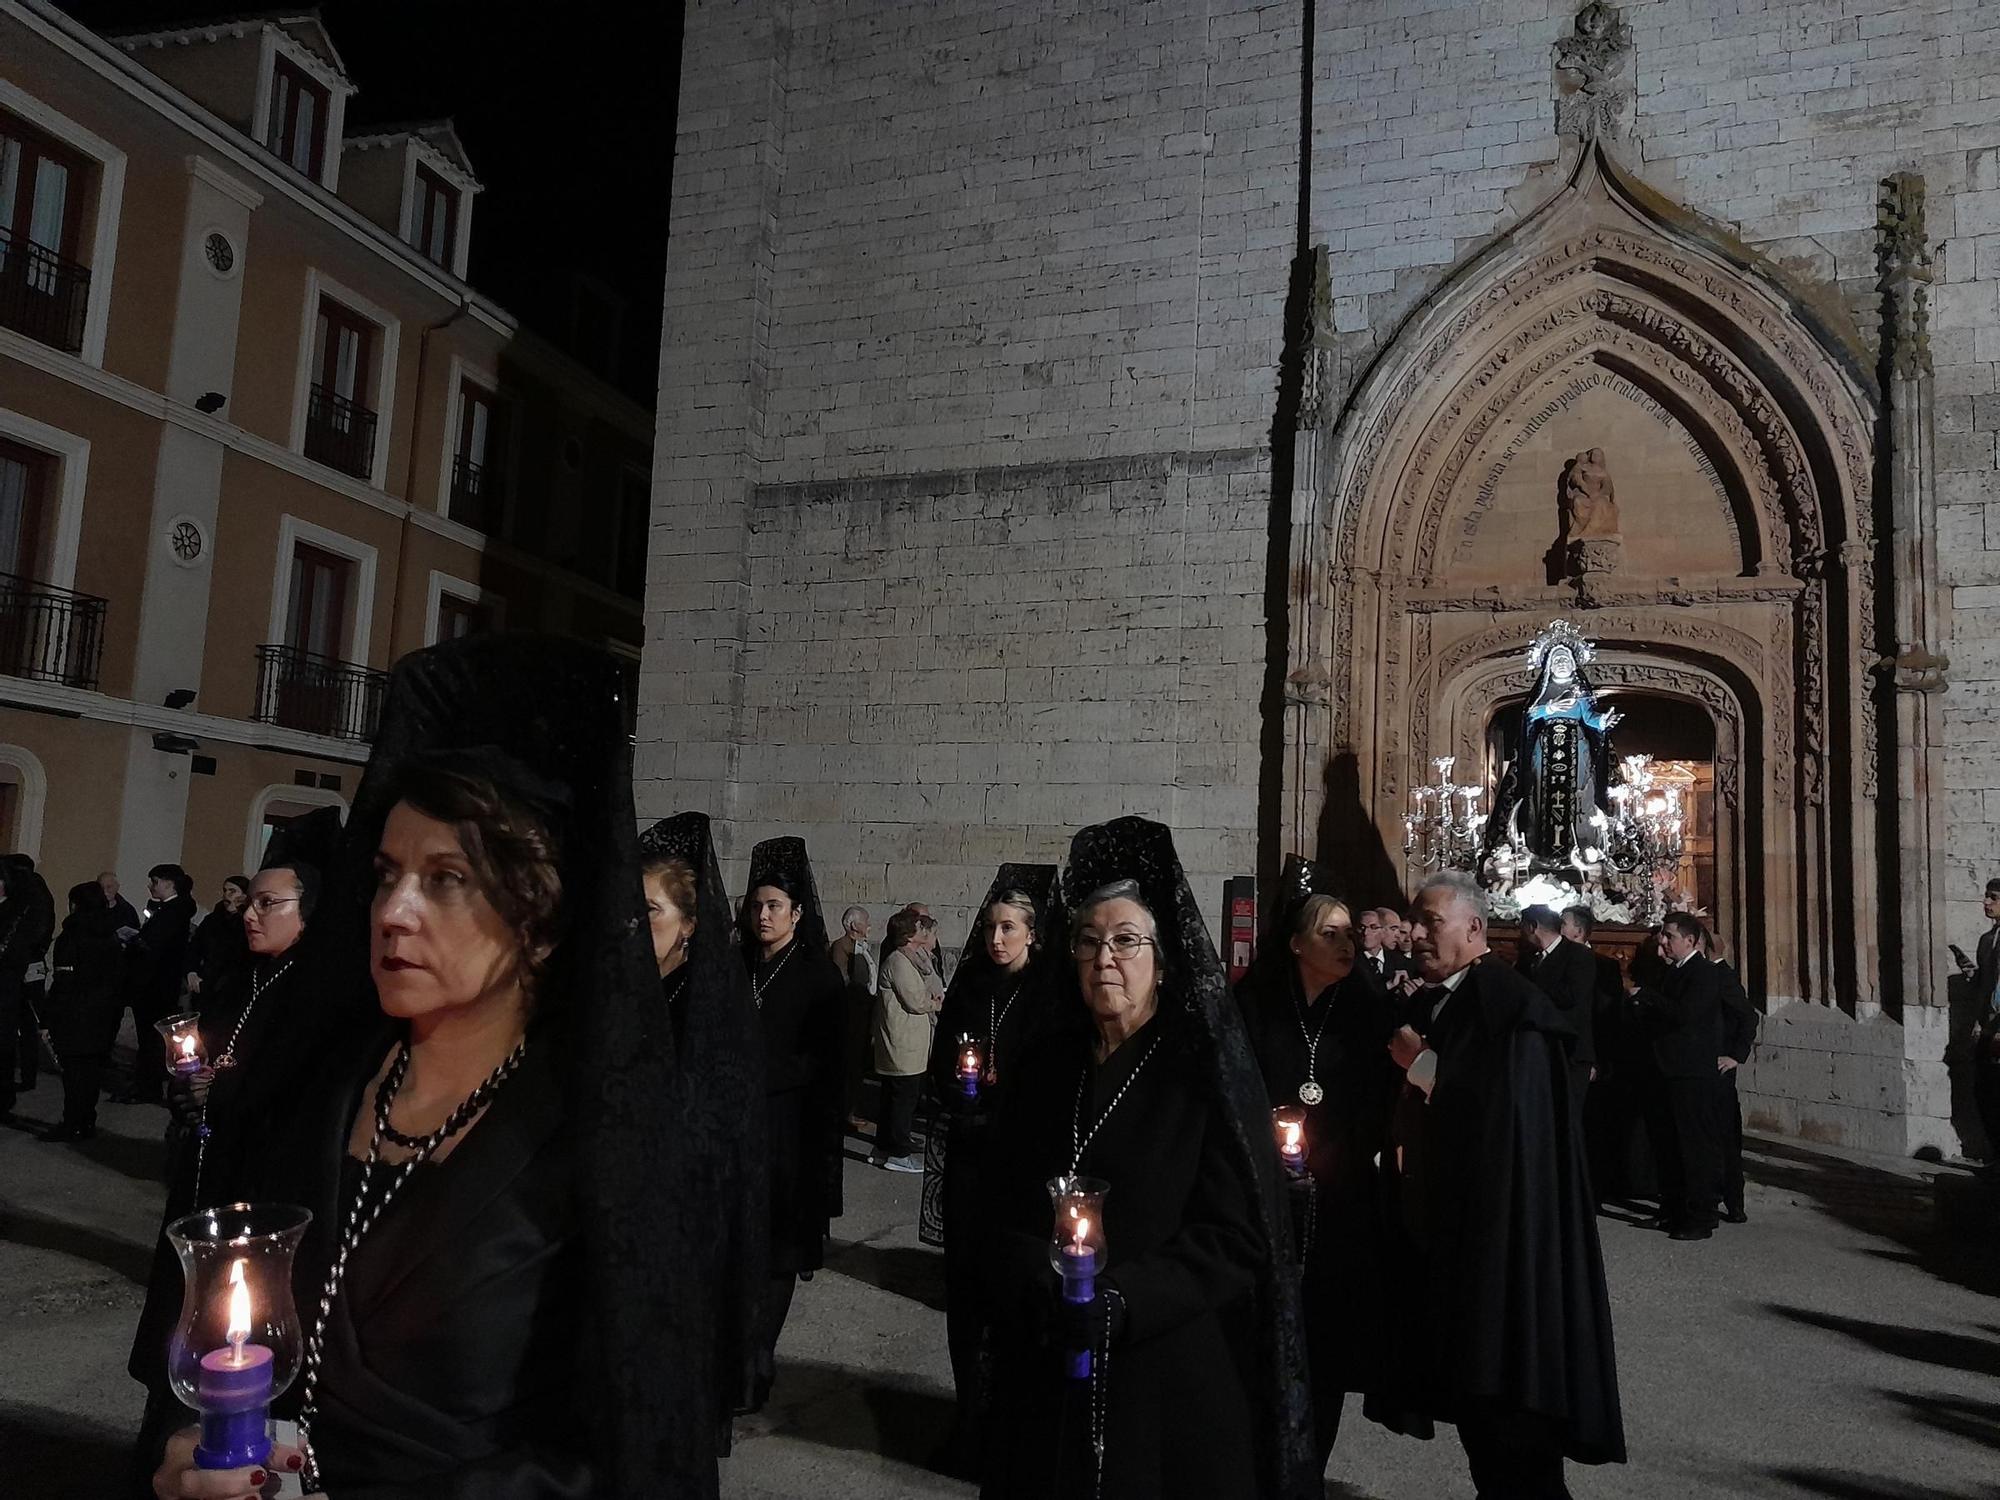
<point>1834,1346</point>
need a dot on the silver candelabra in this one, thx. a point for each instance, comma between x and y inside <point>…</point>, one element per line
<point>1443,827</point>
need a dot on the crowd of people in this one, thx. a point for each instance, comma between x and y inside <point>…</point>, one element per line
<point>569,1118</point>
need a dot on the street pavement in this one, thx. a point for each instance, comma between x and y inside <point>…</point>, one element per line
<point>1834,1346</point>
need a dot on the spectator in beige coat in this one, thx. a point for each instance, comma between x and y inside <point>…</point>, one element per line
<point>906,1007</point>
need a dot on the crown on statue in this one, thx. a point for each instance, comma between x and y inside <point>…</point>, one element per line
<point>1561,633</point>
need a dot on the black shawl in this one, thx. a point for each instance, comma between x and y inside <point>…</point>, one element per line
<point>1143,851</point>
<point>718,1099</point>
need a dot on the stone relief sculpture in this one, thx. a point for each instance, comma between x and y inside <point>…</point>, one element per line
<point>1589,497</point>
<point>1591,538</point>
<point>1596,101</point>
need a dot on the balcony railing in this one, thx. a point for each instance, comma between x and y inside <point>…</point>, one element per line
<point>41,294</point>
<point>340,433</point>
<point>477,493</point>
<point>318,694</point>
<point>49,634</point>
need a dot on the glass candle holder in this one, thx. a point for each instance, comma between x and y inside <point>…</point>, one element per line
<point>238,1343</point>
<point>182,1034</point>
<point>969,1067</point>
<point>1288,1121</point>
<point>1076,1248</point>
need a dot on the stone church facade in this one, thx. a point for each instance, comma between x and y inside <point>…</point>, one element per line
<point>1077,409</point>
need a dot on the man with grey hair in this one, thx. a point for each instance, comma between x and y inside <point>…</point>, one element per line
<point>856,961</point>
<point>1490,1183</point>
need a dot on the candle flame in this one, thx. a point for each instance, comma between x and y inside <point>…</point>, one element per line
<point>1080,1230</point>
<point>187,1046</point>
<point>239,1309</point>
<point>1291,1133</point>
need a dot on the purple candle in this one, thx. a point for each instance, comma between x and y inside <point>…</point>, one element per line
<point>1079,1286</point>
<point>968,1072</point>
<point>233,1392</point>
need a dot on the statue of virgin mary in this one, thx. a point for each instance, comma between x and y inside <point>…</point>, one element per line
<point>1553,793</point>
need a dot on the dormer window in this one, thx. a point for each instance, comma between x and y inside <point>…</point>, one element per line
<point>300,107</point>
<point>435,222</point>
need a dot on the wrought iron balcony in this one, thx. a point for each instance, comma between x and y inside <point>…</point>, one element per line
<point>41,294</point>
<point>49,634</point>
<point>477,494</point>
<point>340,433</point>
<point>318,694</point>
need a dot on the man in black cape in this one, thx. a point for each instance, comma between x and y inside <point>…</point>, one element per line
<point>1492,1190</point>
<point>1681,1016</point>
<point>718,1098</point>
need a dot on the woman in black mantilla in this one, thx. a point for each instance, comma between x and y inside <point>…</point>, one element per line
<point>1145,1080</point>
<point>493,1301</point>
<point>719,1095</point>
<point>1320,1026</point>
<point>801,1006</point>
<point>230,1108</point>
<point>996,1000</point>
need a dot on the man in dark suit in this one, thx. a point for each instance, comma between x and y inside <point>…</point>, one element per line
<point>1682,1020</point>
<point>1985,979</point>
<point>1488,1182</point>
<point>1567,974</point>
<point>1739,1035</point>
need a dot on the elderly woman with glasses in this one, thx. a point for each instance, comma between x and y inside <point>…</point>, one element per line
<point>1143,1081</point>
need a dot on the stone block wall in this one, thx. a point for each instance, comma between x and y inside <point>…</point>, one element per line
<point>973,321</point>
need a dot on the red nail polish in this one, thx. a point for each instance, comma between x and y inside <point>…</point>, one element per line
<point>295,1462</point>
<point>257,1477</point>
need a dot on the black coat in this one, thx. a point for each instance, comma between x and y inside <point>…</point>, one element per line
<point>1568,975</point>
<point>1347,1140</point>
<point>218,950</point>
<point>82,1008</point>
<point>458,1354</point>
<point>800,1013</point>
<point>1182,1247</point>
<point>1495,1200</point>
<point>159,956</point>
<point>1682,1019</point>
<point>1739,1016</point>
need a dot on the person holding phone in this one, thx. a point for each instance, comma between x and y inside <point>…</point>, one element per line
<point>1985,979</point>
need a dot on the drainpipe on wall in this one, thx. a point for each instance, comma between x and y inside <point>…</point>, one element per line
<point>410,467</point>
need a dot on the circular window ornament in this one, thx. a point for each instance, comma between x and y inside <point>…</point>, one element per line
<point>187,542</point>
<point>220,253</point>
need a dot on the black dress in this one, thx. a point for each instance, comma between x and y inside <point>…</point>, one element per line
<point>1341,1220</point>
<point>800,1002</point>
<point>458,1354</point>
<point>83,1006</point>
<point>1183,1247</point>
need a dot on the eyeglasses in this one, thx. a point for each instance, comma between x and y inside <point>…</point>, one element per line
<point>1124,946</point>
<point>267,904</point>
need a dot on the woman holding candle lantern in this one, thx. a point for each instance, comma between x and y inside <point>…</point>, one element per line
<point>801,1008</point>
<point>491,1302</point>
<point>1319,1024</point>
<point>1180,1292</point>
<point>719,1094</point>
<point>996,1000</point>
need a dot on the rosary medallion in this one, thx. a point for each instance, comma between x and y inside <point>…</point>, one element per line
<point>1310,1092</point>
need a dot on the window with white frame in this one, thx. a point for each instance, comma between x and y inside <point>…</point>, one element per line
<point>60,193</point>
<point>295,127</point>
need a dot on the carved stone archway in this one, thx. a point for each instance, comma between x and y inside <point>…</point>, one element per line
<point>1753,594</point>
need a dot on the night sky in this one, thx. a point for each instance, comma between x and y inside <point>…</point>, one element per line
<point>567,111</point>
